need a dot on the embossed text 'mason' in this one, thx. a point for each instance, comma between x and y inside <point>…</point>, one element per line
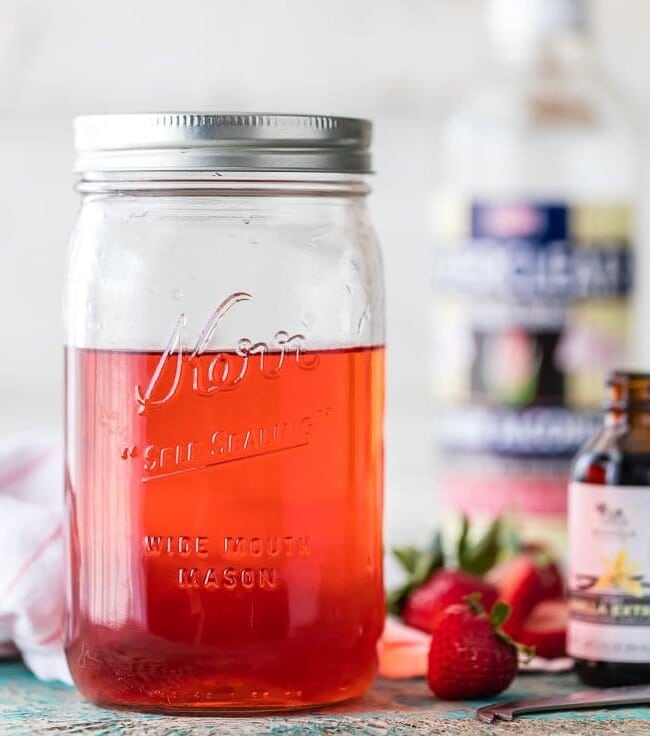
<point>235,562</point>
<point>229,578</point>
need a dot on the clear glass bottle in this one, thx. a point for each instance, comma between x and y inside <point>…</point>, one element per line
<point>535,216</point>
<point>609,542</point>
<point>225,378</point>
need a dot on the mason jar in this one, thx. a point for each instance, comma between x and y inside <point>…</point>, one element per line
<point>225,391</point>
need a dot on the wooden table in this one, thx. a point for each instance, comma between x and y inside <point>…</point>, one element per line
<point>29,707</point>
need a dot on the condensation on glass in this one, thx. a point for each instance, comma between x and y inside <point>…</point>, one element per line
<point>225,382</point>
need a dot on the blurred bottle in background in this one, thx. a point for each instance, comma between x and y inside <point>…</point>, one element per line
<point>536,213</point>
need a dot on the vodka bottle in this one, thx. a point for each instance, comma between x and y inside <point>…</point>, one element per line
<point>536,224</point>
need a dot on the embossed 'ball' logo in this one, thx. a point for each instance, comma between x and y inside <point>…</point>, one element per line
<point>226,370</point>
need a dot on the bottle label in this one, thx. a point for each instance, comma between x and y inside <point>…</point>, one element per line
<point>609,573</point>
<point>532,310</point>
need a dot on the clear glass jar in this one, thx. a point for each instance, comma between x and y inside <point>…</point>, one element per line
<point>225,381</point>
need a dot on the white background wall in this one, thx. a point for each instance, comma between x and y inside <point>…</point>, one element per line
<point>392,60</point>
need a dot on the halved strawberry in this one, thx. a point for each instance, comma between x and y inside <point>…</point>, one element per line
<point>524,581</point>
<point>545,629</point>
<point>443,589</point>
<point>402,651</point>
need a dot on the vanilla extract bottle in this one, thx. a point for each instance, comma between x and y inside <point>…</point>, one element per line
<point>609,541</point>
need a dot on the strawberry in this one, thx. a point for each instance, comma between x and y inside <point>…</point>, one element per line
<point>524,581</point>
<point>444,588</point>
<point>430,588</point>
<point>470,656</point>
<point>402,651</point>
<point>545,628</point>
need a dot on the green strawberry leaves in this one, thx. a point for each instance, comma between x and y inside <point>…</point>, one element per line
<point>419,565</point>
<point>408,557</point>
<point>498,616</point>
<point>480,557</point>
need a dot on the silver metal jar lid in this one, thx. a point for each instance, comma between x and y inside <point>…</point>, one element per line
<point>222,142</point>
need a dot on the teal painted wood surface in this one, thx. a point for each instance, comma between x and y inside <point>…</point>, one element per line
<point>28,707</point>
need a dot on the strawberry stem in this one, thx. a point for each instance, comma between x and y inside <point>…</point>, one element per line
<point>499,614</point>
<point>473,601</point>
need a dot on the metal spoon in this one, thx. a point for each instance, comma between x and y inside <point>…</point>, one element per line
<point>635,695</point>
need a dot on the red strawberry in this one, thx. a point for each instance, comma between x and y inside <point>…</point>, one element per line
<point>422,565</point>
<point>470,656</point>
<point>545,629</point>
<point>524,581</point>
<point>443,589</point>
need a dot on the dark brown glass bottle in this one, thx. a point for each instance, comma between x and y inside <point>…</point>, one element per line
<point>609,537</point>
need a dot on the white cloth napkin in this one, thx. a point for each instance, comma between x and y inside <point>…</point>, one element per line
<point>32,598</point>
